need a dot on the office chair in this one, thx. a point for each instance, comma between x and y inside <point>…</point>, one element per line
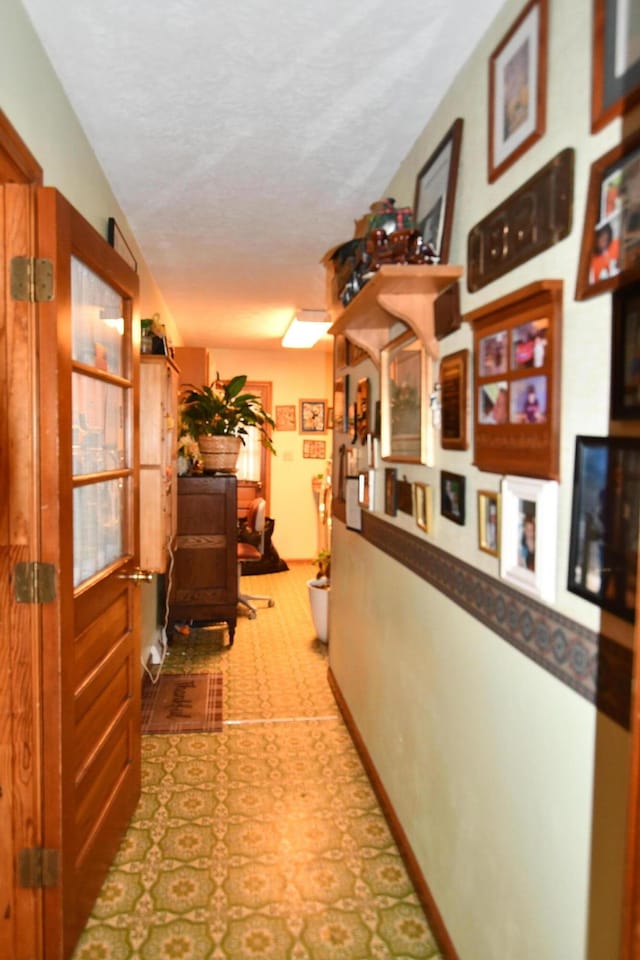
<point>255,524</point>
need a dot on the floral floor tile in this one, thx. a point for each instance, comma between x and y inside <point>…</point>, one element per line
<point>264,841</point>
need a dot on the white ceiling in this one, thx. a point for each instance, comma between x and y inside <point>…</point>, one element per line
<point>243,138</point>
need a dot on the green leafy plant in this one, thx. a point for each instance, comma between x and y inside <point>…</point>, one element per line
<point>221,409</point>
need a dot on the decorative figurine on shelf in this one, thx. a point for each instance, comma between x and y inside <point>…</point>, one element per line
<point>385,235</point>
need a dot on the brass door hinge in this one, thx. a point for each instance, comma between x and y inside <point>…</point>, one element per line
<point>34,582</point>
<point>31,279</point>
<point>38,867</point>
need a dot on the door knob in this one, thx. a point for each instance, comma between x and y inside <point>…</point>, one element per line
<point>137,575</point>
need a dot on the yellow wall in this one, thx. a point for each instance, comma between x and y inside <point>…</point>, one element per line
<point>295,375</point>
<point>510,786</point>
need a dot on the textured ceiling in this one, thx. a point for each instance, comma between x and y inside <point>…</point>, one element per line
<point>243,139</point>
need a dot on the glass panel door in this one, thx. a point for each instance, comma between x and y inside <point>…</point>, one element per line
<point>100,394</point>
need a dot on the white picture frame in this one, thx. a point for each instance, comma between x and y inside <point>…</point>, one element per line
<point>528,535</point>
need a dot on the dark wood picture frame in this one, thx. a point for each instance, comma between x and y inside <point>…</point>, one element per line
<point>614,91</point>
<point>625,354</point>
<point>390,491</point>
<point>452,496</point>
<point>363,406</point>
<point>517,361</point>
<point>435,192</point>
<point>454,378</point>
<point>610,252</point>
<point>313,416</point>
<point>116,239</point>
<point>518,89</point>
<point>341,403</point>
<point>604,523</point>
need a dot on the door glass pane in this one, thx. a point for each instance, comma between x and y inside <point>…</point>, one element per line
<point>98,521</point>
<point>97,324</point>
<point>98,425</point>
<point>99,411</point>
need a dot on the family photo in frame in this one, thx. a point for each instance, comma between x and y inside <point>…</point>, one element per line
<point>610,250</point>
<point>604,522</point>
<point>528,534</point>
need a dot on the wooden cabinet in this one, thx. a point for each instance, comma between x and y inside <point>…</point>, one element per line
<point>158,443</point>
<point>204,582</point>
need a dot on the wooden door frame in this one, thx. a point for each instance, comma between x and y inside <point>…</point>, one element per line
<point>21,918</point>
<point>264,389</point>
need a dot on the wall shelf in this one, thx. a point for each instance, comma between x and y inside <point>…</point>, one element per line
<point>396,292</point>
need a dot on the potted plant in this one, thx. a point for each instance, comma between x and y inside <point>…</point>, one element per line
<point>217,416</point>
<point>319,591</point>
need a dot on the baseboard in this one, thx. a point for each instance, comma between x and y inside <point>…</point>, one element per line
<point>425,896</point>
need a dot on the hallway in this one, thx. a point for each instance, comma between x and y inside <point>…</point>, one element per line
<point>264,841</point>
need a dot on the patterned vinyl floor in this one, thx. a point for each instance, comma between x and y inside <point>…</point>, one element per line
<point>265,841</point>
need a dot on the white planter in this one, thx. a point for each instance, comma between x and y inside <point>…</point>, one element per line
<point>319,593</point>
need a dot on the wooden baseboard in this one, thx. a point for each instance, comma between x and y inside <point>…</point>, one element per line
<point>425,896</point>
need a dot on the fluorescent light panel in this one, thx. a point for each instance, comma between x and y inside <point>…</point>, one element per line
<point>306,328</point>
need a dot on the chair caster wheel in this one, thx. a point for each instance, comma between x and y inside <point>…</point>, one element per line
<point>252,615</point>
<point>271,603</point>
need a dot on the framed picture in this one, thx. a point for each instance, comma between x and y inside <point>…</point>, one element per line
<point>610,251</point>
<point>422,506</point>
<point>117,240</point>
<point>452,496</point>
<point>314,449</point>
<point>604,522</point>
<point>363,489</point>
<point>341,403</point>
<point>518,89</point>
<point>362,409</point>
<point>454,375</point>
<point>405,385</point>
<point>390,491</point>
<point>489,522</point>
<point>286,417</point>
<point>436,191</point>
<point>625,356</point>
<point>528,525</point>
<point>616,60</point>
<point>516,388</point>
<point>313,416</point>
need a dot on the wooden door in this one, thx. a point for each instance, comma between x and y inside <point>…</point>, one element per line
<point>20,716</point>
<point>90,533</point>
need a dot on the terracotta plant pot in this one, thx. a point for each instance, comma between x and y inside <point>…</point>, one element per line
<point>220,453</point>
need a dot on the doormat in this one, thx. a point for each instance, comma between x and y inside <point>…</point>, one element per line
<point>183,703</point>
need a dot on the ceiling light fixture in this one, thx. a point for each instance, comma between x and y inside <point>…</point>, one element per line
<point>306,328</point>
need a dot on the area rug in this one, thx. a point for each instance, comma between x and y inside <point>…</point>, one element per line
<point>183,703</point>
